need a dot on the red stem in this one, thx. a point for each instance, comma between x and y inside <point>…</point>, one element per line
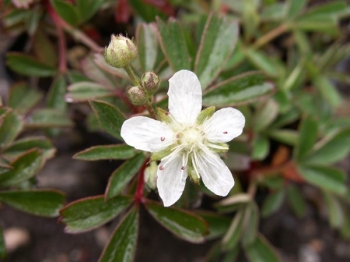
<point>140,184</point>
<point>59,24</point>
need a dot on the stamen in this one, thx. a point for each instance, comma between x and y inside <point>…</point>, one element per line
<point>167,113</point>
<point>183,168</point>
<point>225,132</point>
<point>161,167</point>
<point>162,138</point>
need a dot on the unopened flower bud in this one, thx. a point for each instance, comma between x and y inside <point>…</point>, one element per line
<point>150,81</point>
<point>136,95</point>
<point>151,175</point>
<point>120,51</point>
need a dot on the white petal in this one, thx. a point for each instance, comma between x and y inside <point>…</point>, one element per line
<point>224,125</point>
<point>185,96</point>
<point>215,174</point>
<point>171,179</point>
<point>147,134</point>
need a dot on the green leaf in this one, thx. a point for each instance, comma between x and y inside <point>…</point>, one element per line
<point>327,178</point>
<point>218,41</point>
<point>183,224</point>
<point>110,118</point>
<point>106,153</point>
<point>28,65</point>
<point>332,9</point>
<point>84,91</point>
<point>327,90</point>
<point>237,90</point>
<point>2,244</point>
<point>44,49</point>
<point>145,10</point>
<point>261,148</point>
<point>49,118</point>
<point>173,43</point>
<point>307,137</point>
<point>295,7</point>
<point>66,11</point>
<point>265,114</point>
<point>18,147</point>
<point>147,46</point>
<point>24,167</point>
<point>218,224</point>
<point>296,201</point>
<point>272,203</point>
<point>37,202</point>
<point>22,97</point>
<point>10,128</point>
<point>286,136</point>
<point>56,94</point>
<point>251,219</point>
<point>262,62</point>
<point>261,251</point>
<point>122,245</point>
<point>87,8</point>
<point>333,150</point>
<point>89,213</point>
<point>123,175</point>
<point>234,233</point>
<point>335,210</point>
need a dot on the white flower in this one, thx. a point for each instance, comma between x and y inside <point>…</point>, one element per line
<point>187,141</point>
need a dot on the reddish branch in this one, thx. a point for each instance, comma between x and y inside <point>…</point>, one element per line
<point>58,22</point>
<point>140,184</point>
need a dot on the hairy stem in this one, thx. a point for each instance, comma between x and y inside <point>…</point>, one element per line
<point>151,110</point>
<point>132,76</point>
<point>271,35</point>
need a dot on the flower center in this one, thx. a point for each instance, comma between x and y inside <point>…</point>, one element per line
<point>190,138</point>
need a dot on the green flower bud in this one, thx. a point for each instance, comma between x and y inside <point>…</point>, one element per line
<point>150,81</point>
<point>151,176</point>
<point>120,51</point>
<point>136,95</point>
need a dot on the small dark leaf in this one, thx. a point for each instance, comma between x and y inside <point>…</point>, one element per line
<point>66,11</point>
<point>218,224</point>
<point>308,135</point>
<point>87,8</point>
<point>261,251</point>
<point>49,118</point>
<point>22,97</point>
<point>91,212</point>
<point>272,203</point>
<point>28,65</point>
<point>217,44</point>
<point>235,231</point>
<point>56,94</point>
<point>110,118</point>
<point>122,245</point>
<point>84,91</point>
<point>38,202</point>
<point>10,127</point>
<point>18,147</point>
<point>24,167</point>
<point>327,178</point>
<point>123,175</point>
<point>147,46</point>
<point>183,224</point>
<point>173,43</point>
<point>106,153</point>
<point>296,201</point>
<point>238,90</point>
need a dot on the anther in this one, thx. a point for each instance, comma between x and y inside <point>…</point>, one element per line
<point>166,113</point>
<point>161,167</point>
<point>225,132</point>
<point>183,168</point>
<point>162,138</point>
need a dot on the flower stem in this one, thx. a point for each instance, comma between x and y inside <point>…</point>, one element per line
<point>81,37</point>
<point>271,35</point>
<point>151,110</point>
<point>132,76</point>
<point>140,184</point>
